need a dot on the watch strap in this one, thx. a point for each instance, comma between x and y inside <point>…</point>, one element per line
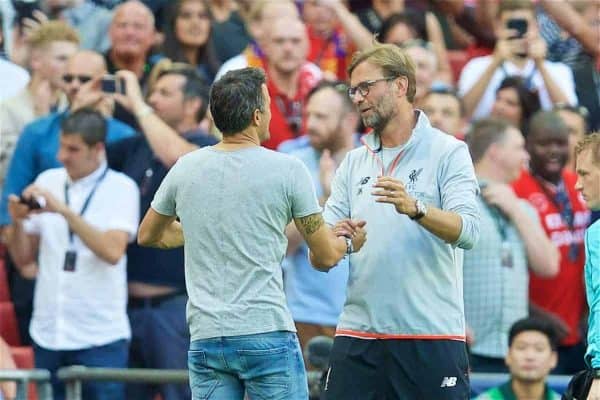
<point>349,245</point>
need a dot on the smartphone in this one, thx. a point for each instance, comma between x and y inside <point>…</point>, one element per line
<point>112,84</point>
<point>519,25</point>
<point>34,202</point>
<point>24,9</point>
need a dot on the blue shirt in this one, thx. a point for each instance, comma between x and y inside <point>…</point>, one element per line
<point>592,289</point>
<point>134,157</point>
<point>36,152</point>
<point>313,296</point>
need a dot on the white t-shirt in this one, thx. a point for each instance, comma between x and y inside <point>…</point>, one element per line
<point>238,62</point>
<point>86,307</point>
<point>14,79</point>
<point>560,73</point>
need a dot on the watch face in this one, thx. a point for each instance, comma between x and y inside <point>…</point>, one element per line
<point>421,209</point>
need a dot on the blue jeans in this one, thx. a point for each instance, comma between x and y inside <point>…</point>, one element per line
<point>111,355</point>
<point>265,365</point>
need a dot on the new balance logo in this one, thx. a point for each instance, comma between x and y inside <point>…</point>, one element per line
<point>448,381</point>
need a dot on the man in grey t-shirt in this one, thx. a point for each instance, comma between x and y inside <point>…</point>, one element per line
<point>233,201</point>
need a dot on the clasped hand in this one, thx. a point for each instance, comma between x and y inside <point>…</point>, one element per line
<point>353,229</point>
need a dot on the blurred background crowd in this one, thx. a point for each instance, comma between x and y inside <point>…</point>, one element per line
<point>483,68</point>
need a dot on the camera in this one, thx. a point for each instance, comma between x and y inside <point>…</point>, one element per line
<point>33,202</point>
<point>112,84</point>
<point>519,25</point>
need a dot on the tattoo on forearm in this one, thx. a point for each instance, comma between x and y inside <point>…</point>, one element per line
<point>310,224</point>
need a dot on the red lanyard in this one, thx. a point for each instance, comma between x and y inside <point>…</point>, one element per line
<point>392,166</point>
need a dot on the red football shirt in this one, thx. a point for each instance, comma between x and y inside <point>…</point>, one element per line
<point>287,115</point>
<point>563,295</point>
<point>332,54</point>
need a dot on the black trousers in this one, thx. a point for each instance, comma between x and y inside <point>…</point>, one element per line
<point>397,369</point>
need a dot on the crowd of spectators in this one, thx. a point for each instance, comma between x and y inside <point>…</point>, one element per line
<point>518,80</point>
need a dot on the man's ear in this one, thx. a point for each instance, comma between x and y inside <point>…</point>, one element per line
<point>256,117</point>
<point>402,85</point>
<point>35,59</point>
<point>492,152</point>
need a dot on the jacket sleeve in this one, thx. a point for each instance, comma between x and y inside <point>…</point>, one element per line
<point>592,287</point>
<point>458,192</point>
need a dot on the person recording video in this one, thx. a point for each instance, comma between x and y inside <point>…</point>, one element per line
<point>76,222</point>
<point>519,51</point>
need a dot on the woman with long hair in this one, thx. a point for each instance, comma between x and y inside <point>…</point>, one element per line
<point>515,103</point>
<point>188,37</point>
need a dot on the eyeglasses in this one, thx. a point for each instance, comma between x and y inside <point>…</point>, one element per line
<point>68,78</point>
<point>364,87</point>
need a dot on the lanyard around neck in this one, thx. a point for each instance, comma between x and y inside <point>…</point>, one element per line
<point>87,201</point>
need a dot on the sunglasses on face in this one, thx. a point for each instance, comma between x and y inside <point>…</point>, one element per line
<point>68,78</point>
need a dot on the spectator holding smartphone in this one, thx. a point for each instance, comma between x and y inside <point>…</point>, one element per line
<point>79,237</point>
<point>35,150</point>
<point>519,51</point>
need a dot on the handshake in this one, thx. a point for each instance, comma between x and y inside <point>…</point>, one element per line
<point>353,230</point>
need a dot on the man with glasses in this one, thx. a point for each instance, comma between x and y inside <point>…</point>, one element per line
<point>38,145</point>
<point>36,148</point>
<point>229,204</point>
<point>156,281</point>
<point>401,334</point>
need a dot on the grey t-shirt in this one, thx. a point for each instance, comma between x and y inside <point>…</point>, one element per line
<point>234,207</point>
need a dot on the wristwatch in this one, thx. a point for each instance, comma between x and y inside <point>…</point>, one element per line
<point>349,245</point>
<point>421,210</point>
<point>596,373</point>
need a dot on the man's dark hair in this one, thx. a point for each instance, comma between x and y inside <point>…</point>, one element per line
<point>195,87</point>
<point>87,123</point>
<point>483,134</point>
<point>447,91</point>
<point>235,97</point>
<point>534,324</point>
<point>547,122</point>
<point>413,19</point>
<point>340,87</point>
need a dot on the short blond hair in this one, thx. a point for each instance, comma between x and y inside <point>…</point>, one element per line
<point>52,31</point>
<point>592,142</point>
<point>255,13</point>
<point>393,61</point>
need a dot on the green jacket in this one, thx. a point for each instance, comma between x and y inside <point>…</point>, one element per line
<point>505,392</point>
